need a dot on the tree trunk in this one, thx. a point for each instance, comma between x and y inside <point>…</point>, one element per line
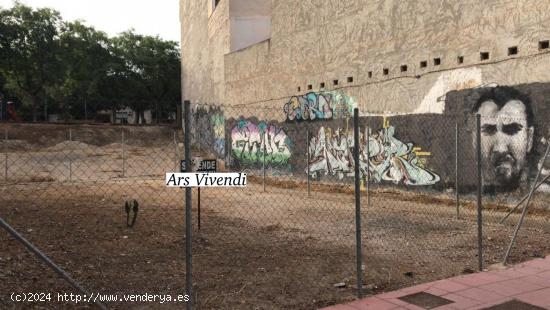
<point>136,118</point>
<point>34,112</point>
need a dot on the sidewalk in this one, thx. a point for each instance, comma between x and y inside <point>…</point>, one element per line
<point>524,286</point>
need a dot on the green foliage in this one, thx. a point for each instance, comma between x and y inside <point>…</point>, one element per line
<point>78,70</point>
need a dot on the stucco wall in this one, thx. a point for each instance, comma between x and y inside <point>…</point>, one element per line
<point>313,43</point>
<point>205,41</point>
<point>249,30</point>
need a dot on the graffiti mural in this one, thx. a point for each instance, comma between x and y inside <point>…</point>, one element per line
<point>389,159</point>
<point>249,141</point>
<point>217,121</point>
<point>507,135</point>
<point>209,130</point>
<point>321,105</point>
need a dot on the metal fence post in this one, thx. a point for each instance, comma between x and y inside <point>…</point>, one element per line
<point>6,154</point>
<point>307,163</point>
<point>456,173</point>
<point>123,159</point>
<point>70,159</point>
<point>188,219</point>
<point>367,131</point>
<point>263,167</point>
<point>479,192</point>
<point>175,151</point>
<point>359,259</point>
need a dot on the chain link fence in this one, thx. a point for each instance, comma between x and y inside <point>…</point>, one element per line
<point>290,238</point>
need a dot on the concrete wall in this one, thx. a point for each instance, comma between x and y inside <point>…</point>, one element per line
<point>204,41</point>
<point>312,44</point>
<point>249,30</point>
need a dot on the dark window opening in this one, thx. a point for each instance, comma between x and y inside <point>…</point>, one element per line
<point>460,60</point>
<point>310,87</point>
<point>335,82</point>
<point>386,71</point>
<point>423,64</point>
<point>544,45</point>
<point>369,74</point>
<point>512,50</point>
<point>404,68</point>
<point>350,79</point>
<point>484,55</point>
<point>299,88</point>
<point>322,85</point>
<point>437,61</point>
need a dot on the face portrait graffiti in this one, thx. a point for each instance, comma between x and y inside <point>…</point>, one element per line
<point>506,136</point>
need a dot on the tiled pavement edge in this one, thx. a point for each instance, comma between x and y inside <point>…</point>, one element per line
<point>527,282</point>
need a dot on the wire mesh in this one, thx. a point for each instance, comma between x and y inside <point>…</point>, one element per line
<point>65,188</point>
<point>287,239</point>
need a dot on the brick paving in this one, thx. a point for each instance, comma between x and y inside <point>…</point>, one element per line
<point>528,282</point>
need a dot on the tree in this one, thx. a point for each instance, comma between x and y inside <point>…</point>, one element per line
<point>152,67</point>
<point>85,61</point>
<point>29,44</point>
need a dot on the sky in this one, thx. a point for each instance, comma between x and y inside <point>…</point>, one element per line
<point>158,17</point>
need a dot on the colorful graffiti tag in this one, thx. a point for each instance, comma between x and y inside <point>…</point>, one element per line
<point>389,159</point>
<point>321,105</point>
<point>248,142</point>
<point>218,125</point>
<point>209,133</point>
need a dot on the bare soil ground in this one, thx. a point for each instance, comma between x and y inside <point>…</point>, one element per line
<point>278,249</point>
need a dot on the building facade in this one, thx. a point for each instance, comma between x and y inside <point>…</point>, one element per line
<point>390,56</point>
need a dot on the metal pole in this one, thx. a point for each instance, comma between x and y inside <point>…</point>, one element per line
<point>188,219</point>
<point>263,166</point>
<point>479,192</point>
<point>199,207</point>
<point>70,160</point>
<point>357,204</point>
<point>123,159</point>
<point>6,154</point>
<point>368,167</point>
<point>524,212</point>
<point>456,173</point>
<point>47,260</point>
<point>176,156</point>
<point>308,160</point>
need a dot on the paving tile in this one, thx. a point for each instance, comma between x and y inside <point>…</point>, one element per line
<point>538,280</point>
<point>545,274</point>
<point>509,273</point>
<point>461,302</point>
<point>511,287</point>
<point>480,294</point>
<point>436,291</point>
<point>372,303</point>
<point>527,270</point>
<point>339,307</point>
<point>449,286</point>
<point>490,304</point>
<point>539,298</point>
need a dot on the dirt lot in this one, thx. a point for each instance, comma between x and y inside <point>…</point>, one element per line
<point>255,250</point>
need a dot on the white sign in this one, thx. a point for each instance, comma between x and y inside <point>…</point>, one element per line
<point>205,179</point>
